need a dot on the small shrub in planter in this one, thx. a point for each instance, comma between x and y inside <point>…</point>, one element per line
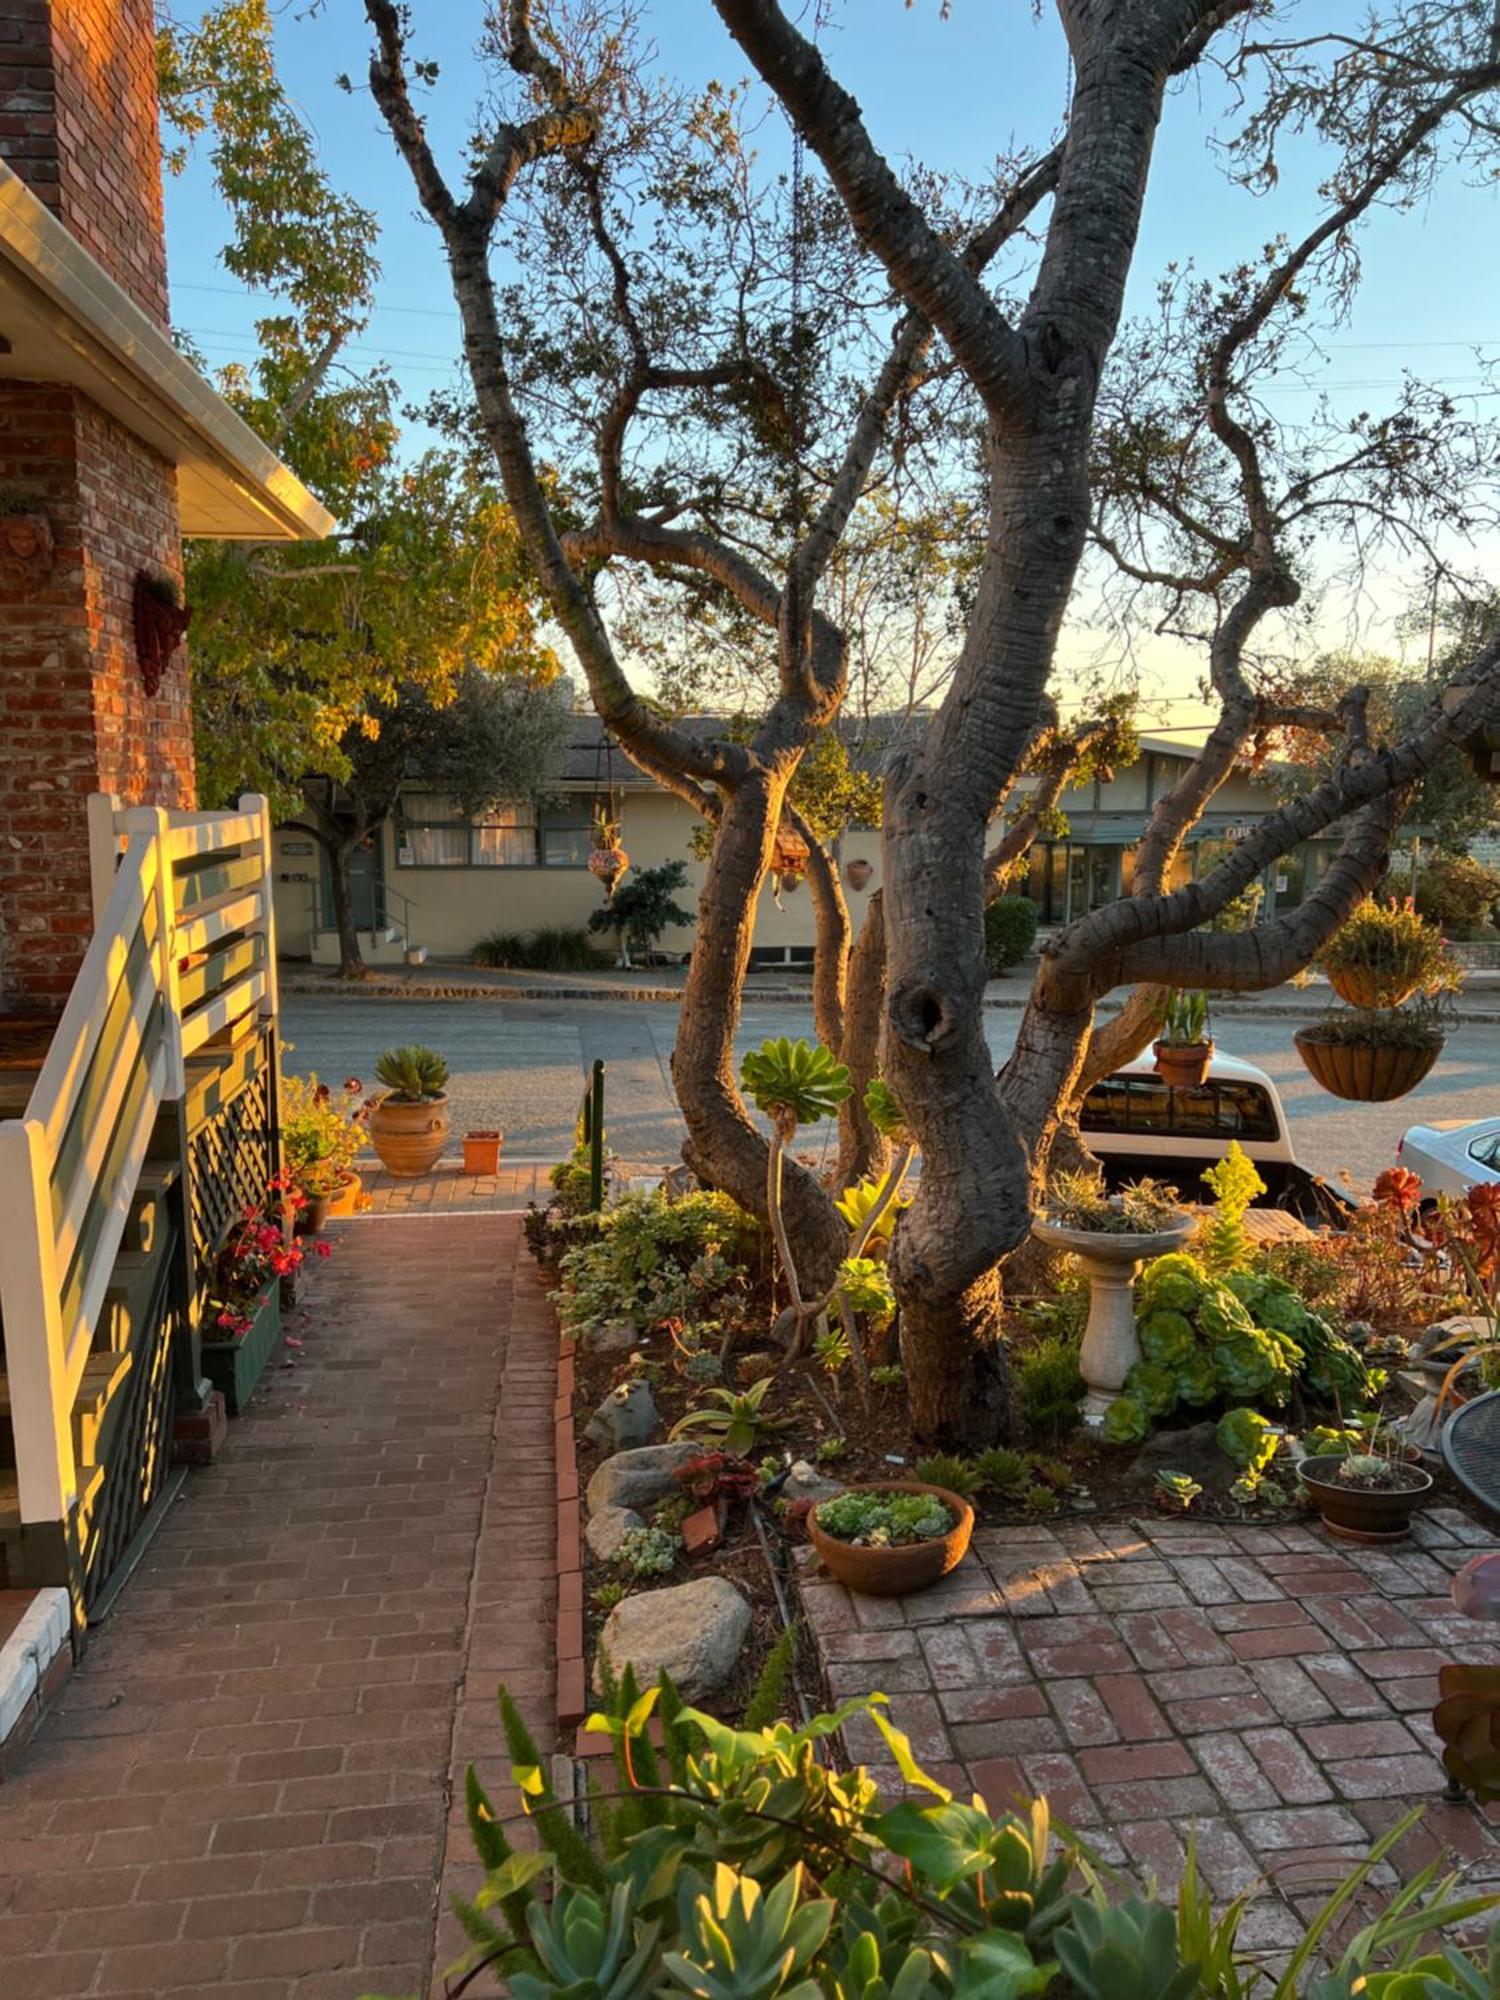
<point>1365,1496</point>
<point>893,1538</point>
<point>322,1135</point>
<point>1141,1208</point>
<point>1386,952</point>
<point>1184,1048</point>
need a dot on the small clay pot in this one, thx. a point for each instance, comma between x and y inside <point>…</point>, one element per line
<point>345,1198</point>
<point>1364,1072</point>
<point>312,1217</point>
<point>896,1572</point>
<point>1364,1513</point>
<point>1182,1065</point>
<point>409,1137</point>
<point>482,1152</point>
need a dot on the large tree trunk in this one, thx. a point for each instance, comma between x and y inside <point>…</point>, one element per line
<point>723,1146</point>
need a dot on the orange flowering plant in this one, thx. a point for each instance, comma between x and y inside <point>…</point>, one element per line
<point>1462,1238</point>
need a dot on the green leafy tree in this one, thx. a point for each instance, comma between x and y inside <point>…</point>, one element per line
<point>491,740</point>
<point>303,654</point>
<point>642,908</point>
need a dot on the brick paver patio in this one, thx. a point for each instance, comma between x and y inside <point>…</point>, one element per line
<point>1265,1688</point>
<point>245,1787</point>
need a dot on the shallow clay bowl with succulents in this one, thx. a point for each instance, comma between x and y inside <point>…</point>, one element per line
<point>895,1572</point>
<point>1364,1513</point>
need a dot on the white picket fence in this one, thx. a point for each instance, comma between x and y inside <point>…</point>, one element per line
<point>183,948</point>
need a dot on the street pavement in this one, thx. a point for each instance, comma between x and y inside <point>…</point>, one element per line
<point>522,1065</point>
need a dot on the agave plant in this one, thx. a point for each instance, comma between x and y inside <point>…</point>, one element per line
<point>732,1417</point>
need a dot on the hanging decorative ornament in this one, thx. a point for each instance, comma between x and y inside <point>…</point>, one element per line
<point>789,859</point>
<point>607,858</point>
<point>857,872</point>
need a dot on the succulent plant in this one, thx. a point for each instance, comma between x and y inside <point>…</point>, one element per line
<point>412,1072</point>
<point>794,1083</point>
<point>1127,1952</point>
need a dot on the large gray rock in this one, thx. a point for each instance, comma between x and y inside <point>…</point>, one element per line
<point>694,1632</point>
<point>639,1478</point>
<point>1193,1449</point>
<point>627,1416</point>
<point>610,1336</point>
<point>607,1529</point>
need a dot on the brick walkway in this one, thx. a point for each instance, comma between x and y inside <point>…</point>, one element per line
<point>448,1189</point>
<point>1268,1689</point>
<point>244,1788</point>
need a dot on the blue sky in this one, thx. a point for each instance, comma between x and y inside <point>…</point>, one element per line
<point>952,93</point>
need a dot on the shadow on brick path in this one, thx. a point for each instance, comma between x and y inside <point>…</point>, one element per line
<point>245,1787</point>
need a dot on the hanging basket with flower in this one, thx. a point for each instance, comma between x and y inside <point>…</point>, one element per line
<point>1385,953</point>
<point>608,860</point>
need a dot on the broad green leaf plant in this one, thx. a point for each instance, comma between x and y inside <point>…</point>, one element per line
<point>735,1864</point>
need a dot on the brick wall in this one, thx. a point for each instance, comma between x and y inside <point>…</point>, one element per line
<point>78,123</point>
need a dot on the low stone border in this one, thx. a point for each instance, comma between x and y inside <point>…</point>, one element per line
<point>35,1658</point>
<point>572,1696</point>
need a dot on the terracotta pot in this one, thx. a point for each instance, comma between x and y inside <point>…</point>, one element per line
<point>482,1152</point>
<point>1182,1065</point>
<point>1363,1514</point>
<point>409,1137</point>
<point>1366,1072</point>
<point>896,1572</point>
<point>345,1198</point>
<point>312,1218</point>
<point>857,873</point>
<point>1370,986</point>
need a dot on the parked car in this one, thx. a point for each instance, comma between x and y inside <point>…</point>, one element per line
<point>1135,1123</point>
<point>1452,1155</point>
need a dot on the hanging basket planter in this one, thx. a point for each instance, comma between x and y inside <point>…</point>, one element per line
<point>1366,1072</point>
<point>1369,986</point>
<point>160,619</point>
<point>607,858</point>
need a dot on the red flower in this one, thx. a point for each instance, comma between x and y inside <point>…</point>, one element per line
<point>322,1094</point>
<point>353,1085</point>
<point>323,1249</point>
<point>1399,1188</point>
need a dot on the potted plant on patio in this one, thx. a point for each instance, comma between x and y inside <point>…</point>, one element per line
<point>1385,953</point>
<point>409,1125</point>
<point>322,1134</point>
<point>1367,1495</point>
<point>890,1539</point>
<point>243,1314</point>
<point>1372,1054</point>
<point>1111,1236</point>
<point>482,1150</point>
<point>1184,1049</point>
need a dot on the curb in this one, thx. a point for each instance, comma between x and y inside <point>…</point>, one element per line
<point>373,989</point>
<point>572,1693</point>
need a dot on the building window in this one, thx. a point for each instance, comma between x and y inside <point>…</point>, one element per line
<point>432,833</point>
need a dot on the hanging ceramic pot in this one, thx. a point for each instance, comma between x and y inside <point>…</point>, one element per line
<point>857,873</point>
<point>607,859</point>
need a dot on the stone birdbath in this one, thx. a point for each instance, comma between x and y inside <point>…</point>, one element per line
<point>1111,1346</point>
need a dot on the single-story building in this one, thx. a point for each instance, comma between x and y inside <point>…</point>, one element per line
<point>433,878</point>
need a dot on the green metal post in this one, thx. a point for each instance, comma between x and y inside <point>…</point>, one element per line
<point>596,1137</point>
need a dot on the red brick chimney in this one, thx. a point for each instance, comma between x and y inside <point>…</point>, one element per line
<point>78,124</point>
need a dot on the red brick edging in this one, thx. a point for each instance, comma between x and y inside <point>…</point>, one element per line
<point>572,1698</point>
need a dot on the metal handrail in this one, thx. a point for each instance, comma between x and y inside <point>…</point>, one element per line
<point>323,919</point>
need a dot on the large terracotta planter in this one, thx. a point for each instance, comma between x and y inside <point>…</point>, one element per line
<point>1365,1072</point>
<point>1182,1065</point>
<point>896,1572</point>
<point>1111,1345</point>
<point>409,1137</point>
<point>1370,986</point>
<point>1362,1513</point>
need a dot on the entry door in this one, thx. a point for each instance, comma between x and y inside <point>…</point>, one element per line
<point>365,879</point>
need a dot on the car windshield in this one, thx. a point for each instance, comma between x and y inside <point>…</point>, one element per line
<point>1221,1108</point>
<point>1486,1150</point>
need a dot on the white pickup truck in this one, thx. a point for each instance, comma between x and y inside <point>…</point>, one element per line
<point>1135,1125</point>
